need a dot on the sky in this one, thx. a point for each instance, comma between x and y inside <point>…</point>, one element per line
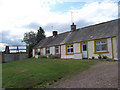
<point>20,16</point>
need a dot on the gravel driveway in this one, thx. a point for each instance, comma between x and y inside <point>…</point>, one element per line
<point>101,75</point>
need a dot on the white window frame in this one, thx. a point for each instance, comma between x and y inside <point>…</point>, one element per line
<point>100,44</point>
<point>69,48</point>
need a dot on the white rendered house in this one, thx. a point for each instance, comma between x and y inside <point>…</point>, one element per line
<point>91,41</point>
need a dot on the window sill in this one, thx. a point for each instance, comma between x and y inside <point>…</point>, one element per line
<point>78,53</point>
<point>69,53</point>
<point>57,53</point>
<point>101,52</point>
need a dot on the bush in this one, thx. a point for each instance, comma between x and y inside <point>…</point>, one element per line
<point>99,57</point>
<point>53,56</point>
<point>93,57</point>
<point>38,53</point>
<point>43,57</point>
<point>104,57</point>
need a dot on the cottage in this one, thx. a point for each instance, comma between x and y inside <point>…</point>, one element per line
<point>91,41</point>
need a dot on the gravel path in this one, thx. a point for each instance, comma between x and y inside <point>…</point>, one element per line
<point>101,75</point>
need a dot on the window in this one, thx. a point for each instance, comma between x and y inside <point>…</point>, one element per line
<point>57,50</point>
<point>47,50</point>
<point>36,51</point>
<point>70,49</point>
<point>101,45</point>
<point>84,47</point>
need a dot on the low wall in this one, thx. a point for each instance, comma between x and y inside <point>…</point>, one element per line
<point>14,57</point>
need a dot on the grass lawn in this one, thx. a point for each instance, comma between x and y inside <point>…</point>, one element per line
<point>0,75</point>
<point>40,72</point>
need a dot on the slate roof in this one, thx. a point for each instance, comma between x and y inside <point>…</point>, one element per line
<point>102,30</point>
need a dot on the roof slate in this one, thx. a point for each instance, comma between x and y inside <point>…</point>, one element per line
<point>102,30</point>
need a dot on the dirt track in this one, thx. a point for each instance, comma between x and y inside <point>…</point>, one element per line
<point>101,75</point>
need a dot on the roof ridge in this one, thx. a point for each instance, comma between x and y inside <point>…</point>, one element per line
<point>98,24</point>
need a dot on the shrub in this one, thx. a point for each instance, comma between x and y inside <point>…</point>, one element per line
<point>38,53</point>
<point>93,57</point>
<point>53,56</point>
<point>43,57</point>
<point>104,57</point>
<point>99,57</point>
<point>50,56</point>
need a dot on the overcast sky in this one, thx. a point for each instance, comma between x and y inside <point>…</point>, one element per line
<point>20,16</point>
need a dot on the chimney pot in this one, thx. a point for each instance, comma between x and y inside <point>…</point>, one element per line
<point>73,27</point>
<point>54,33</point>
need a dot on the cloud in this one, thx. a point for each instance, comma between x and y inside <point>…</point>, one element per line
<point>20,16</point>
<point>89,1</point>
<point>63,27</point>
<point>9,39</point>
<point>32,25</point>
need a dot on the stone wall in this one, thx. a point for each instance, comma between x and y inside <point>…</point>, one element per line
<point>14,57</point>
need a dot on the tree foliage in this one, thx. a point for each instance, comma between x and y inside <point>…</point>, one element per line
<point>31,38</point>
<point>40,35</point>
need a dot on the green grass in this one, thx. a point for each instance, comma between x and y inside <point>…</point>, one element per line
<point>0,75</point>
<point>40,72</point>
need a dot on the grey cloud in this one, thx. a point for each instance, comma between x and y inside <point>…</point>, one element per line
<point>60,27</point>
<point>57,26</point>
<point>63,27</point>
<point>7,38</point>
<point>119,9</point>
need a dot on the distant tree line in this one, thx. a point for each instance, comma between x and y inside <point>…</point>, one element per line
<point>31,38</point>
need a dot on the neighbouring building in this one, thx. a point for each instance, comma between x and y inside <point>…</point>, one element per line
<point>14,52</point>
<point>91,41</point>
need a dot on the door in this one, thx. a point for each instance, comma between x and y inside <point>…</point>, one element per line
<point>84,51</point>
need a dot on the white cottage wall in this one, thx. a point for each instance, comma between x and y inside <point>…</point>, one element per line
<point>115,48</point>
<point>52,50</point>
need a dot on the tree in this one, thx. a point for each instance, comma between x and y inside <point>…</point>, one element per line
<point>31,38</point>
<point>40,35</point>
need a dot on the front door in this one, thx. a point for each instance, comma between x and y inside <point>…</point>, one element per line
<point>84,51</point>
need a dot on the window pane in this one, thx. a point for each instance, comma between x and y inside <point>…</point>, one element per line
<point>71,45</point>
<point>101,45</point>
<point>98,48</point>
<point>57,50</point>
<point>97,42</point>
<point>103,41</point>
<point>47,50</point>
<point>104,47</point>
<point>84,47</point>
<point>69,48</point>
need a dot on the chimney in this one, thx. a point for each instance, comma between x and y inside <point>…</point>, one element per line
<point>73,27</point>
<point>54,33</point>
<point>7,51</point>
